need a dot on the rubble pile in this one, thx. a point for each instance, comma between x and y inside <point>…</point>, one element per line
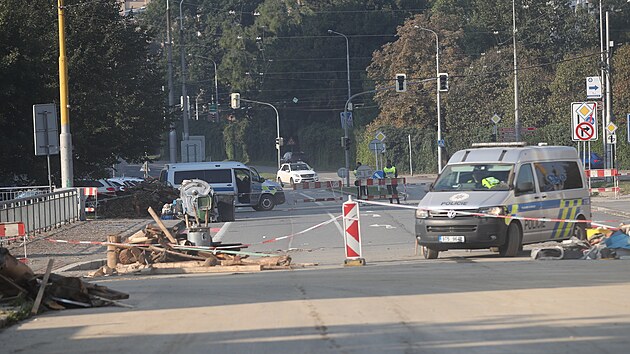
<point>157,247</point>
<point>601,243</point>
<point>135,200</point>
<point>52,291</point>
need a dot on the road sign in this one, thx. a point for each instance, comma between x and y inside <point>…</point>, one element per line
<point>346,119</point>
<point>593,87</point>
<point>495,119</point>
<point>342,172</point>
<point>611,139</point>
<point>291,142</point>
<point>376,146</point>
<point>380,136</point>
<point>441,143</point>
<point>611,128</point>
<point>628,125</point>
<point>584,131</point>
<point>584,112</point>
<point>45,129</point>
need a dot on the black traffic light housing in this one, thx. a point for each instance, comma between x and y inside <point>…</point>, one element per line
<point>401,82</point>
<point>345,143</point>
<point>443,82</point>
<point>235,100</point>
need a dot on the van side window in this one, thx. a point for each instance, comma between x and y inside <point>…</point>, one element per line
<point>525,176</point>
<point>558,175</point>
<point>210,176</point>
<point>180,176</point>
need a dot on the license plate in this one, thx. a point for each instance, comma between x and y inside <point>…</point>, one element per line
<point>451,239</point>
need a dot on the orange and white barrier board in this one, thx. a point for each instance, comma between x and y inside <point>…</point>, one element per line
<point>12,229</point>
<point>318,185</point>
<point>604,173</point>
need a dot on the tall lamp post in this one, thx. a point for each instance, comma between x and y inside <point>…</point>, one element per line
<point>517,125</point>
<point>172,135</point>
<point>277,124</point>
<point>216,81</point>
<point>437,90</point>
<point>345,125</point>
<point>65,138</point>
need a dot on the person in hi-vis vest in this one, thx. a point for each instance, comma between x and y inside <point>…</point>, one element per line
<point>390,172</point>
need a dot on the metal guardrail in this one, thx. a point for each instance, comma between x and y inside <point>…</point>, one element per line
<point>44,211</point>
<point>10,193</point>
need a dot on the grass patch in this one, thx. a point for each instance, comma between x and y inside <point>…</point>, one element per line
<point>16,310</point>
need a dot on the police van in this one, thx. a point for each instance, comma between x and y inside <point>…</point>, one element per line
<point>228,177</point>
<point>540,183</point>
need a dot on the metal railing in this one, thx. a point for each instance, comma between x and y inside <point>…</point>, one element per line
<point>42,212</point>
<point>9,193</point>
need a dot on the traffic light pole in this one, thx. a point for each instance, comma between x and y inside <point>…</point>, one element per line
<point>278,141</point>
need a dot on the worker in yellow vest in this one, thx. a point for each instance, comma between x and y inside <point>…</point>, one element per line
<point>390,172</point>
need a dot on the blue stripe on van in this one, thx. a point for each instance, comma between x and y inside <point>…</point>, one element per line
<point>223,189</point>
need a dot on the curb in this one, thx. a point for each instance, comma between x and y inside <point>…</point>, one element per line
<point>85,265</point>
<point>612,211</point>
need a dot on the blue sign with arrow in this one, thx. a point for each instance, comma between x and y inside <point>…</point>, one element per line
<point>593,87</point>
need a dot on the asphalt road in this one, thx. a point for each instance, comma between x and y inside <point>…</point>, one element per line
<point>464,302</point>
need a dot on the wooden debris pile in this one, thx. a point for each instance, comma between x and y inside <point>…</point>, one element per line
<point>53,291</point>
<point>135,200</point>
<point>157,247</point>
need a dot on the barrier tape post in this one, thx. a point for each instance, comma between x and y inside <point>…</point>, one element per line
<point>14,231</point>
<point>352,233</point>
<point>91,191</point>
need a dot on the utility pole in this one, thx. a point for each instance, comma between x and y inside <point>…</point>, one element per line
<point>172,134</point>
<point>183,63</point>
<point>65,138</point>
<point>517,125</point>
<point>608,160</point>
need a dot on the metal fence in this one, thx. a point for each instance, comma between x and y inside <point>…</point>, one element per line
<point>9,193</point>
<point>44,211</point>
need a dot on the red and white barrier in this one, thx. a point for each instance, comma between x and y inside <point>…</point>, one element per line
<point>318,185</point>
<point>91,192</point>
<point>352,233</point>
<point>604,173</point>
<point>12,229</point>
<point>381,182</point>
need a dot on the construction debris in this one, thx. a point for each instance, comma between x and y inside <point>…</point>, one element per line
<point>135,200</point>
<point>601,243</point>
<point>160,249</point>
<point>54,292</point>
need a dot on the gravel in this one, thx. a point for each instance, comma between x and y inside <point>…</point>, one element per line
<point>39,249</point>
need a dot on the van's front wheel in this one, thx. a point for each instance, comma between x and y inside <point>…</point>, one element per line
<point>430,253</point>
<point>266,203</point>
<point>512,241</point>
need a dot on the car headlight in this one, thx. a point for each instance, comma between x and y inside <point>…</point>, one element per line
<point>422,213</point>
<point>495,211</point>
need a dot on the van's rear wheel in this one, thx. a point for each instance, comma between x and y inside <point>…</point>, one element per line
<point>429,253</point>
<point>512,241</point>
<point>579,230</point>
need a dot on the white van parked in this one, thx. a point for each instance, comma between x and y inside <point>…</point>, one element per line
<point>231,178</point>
<point>504,180</point>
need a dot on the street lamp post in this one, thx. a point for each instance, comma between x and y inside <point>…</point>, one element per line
<point>277,124</point>
<point>183,64</point>
<point>345,125</point>
<point>437,90</point>
<point>172,135</point>
<point>216,82</point>
<point>517,125</point>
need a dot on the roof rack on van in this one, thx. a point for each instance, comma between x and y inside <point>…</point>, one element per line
<point>501,144</point>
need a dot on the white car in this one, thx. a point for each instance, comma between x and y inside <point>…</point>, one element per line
<point>296,172</point>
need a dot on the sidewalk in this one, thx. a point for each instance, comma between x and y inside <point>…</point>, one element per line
<point>610,205</point>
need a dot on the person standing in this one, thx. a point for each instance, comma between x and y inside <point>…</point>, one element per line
<point>390,172</point>
<point>361,189</point>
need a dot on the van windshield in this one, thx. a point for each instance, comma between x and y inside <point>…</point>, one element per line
<point>474,177</point>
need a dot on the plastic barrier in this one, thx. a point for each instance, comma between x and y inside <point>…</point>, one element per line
<point>352,233</point>
<point>391,185</point>
<point>318,186</point>
<point>93,192</point>
<point>604,173</point>
<point>13,231</point>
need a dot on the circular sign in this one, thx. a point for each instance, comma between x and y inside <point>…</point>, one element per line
<point>584,131</point>
<point>376,146</point>
<point>342,172</point>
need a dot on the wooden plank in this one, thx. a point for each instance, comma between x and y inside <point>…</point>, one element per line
<point>40,293</point>
<point>161,225</point>
<point>221,269</point>
<point>186,264</point>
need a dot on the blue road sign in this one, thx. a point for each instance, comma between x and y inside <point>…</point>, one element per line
<point>346,119</point>
<point>441,143</point>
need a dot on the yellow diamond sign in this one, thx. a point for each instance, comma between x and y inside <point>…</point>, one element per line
<point>611,127</point>
<point>584,110</point>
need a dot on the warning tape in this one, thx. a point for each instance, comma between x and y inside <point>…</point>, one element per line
<point>455,212</point>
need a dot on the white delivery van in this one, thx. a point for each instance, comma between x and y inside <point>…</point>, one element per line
<point>231,178</point>
<point>504,180</point>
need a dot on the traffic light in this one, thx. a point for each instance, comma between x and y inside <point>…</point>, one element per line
<point>279,141</point>
<point>345,143</point>
<point>443,82</point>
<point>235,100</point>
<point>401,83</point>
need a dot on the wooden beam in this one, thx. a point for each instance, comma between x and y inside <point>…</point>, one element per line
<point>161,225</point>
<point>42,287</point>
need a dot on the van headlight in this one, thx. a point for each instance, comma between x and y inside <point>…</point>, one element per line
<point>422,213</point>
<point>495,211</point>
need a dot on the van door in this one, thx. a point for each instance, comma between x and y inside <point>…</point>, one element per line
<point>243,180</point>
<point>528,203</point>
<point>256,186</point>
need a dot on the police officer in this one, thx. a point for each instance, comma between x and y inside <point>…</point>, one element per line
<point>390,172</point>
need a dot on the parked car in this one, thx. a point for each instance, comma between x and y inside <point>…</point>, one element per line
<point>293,156</point>
<point>593,162</point>
<point>126,181</point>
<point>104,188</point>
<point>296,173</point>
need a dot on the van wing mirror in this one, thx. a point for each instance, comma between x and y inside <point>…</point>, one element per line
<point>261,180</point>
<point>524,187</point>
